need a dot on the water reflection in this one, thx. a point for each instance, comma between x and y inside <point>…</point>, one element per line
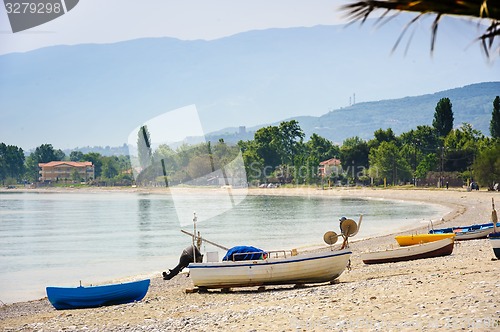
<point>144,214</point>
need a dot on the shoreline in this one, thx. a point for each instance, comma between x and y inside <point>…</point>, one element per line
<point>370,295</point>
<point>434,195</point>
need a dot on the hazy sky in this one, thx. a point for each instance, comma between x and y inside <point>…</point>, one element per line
<point>107,21</point>
<point>104,21</point>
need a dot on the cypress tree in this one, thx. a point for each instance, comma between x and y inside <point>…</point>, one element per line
<point>495,119</point>
<point>443,117</point>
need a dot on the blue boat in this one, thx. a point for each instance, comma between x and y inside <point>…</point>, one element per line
<point>97,296</point>
<point>479,231</point>
<point>495,243</point>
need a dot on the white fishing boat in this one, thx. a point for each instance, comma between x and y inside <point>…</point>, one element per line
<point>425,250</point>
<point>495,236</point>
<point>473,234</point>
<point>495,243</point>
<point>246,266</point>
<point>273,268</point>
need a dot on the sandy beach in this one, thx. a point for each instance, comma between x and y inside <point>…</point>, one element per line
<point>456,292</point>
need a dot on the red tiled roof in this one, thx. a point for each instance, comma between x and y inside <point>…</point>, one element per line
<point>68,163</point>
<point>330,162</point>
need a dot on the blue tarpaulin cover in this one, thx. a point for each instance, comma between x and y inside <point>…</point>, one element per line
<point>253,253</point>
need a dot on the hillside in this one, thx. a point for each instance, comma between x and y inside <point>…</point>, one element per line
<point>472,104</point>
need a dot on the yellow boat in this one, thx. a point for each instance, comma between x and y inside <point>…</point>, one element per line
<point>408,240</point>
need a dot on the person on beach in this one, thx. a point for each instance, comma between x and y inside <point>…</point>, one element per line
<point>189,255</point>
<point>341,221</point>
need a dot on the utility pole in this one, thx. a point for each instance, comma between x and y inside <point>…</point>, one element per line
<point>415,143</point>
<point>442,168</point>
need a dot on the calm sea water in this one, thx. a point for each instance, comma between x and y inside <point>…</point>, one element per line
<point>60,239</point>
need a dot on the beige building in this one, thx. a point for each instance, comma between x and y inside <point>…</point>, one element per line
<point>327,167</point>
<point>65,170</point>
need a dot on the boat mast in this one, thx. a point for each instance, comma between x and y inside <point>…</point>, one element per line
<point>194,235</point>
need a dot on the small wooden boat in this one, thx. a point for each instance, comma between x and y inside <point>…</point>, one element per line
<point>495,235</point>
<point>495,243</point>
<point>271,269</point>
<point>409,240</point>
<point>471,232</point>
<point>438,248</point>
<point>96,296</point>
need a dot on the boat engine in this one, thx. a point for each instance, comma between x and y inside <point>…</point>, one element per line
<point>189,255</point>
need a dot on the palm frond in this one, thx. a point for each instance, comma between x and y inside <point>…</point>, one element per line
<point>480,9</point>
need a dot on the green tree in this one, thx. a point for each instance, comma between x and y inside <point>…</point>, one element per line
<point>109,167</point>
<point>123,163</point>
<point>274,149</point>
<point>465,137</point>
<point>46,153</point>
<point>321,148</point>
<point>254,163</point>
<point>487,166</point>
<point>31,168</point>
<point>380,136</point>
<point>3,162</point>
<point>426,139</point>
<point>460,147</point>
<point>495,119</point>
<point>223,154</point>
<point>311,169</point>
<point>199,166</point>
<point>268,144</point>
<point>353,159</point>
<point>386,161</point>
<point>165,157</point>
<point>354,154</point>
<point>443,117</point>
<point>43,154</point>
<point>428,164</point>
<point>417,144</point>
<point>11,162</point>
<point>96,160</point>
<point>76,155</point>
<point>291,137</point>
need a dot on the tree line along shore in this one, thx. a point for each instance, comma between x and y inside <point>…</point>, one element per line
<point>430,156</point>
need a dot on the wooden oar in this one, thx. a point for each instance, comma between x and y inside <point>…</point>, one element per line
<point>203,239</point>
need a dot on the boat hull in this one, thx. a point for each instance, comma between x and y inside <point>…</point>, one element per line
<point>300,269</point>
<point>495,243</point>
<point>471,232</point>
<point>438,248</point>
<point>410,240</point>
<point>97,296</point>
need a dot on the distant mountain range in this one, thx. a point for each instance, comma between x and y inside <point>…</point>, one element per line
<point>95,95</point>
